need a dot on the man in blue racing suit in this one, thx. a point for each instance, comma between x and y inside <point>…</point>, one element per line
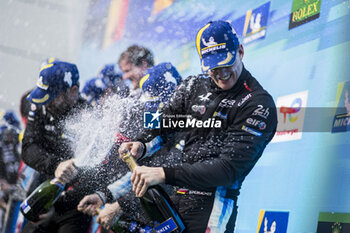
<point>226,119</point>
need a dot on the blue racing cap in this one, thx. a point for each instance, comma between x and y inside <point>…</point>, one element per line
<point>110,75</point>
<point>217,44</point>
<point>54,78</point>
<point>94,89</point>
<point>49,60</point>
<point>160,81</point>
<point>8,119</point>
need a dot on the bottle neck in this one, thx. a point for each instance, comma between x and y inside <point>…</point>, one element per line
<point>129,160</point>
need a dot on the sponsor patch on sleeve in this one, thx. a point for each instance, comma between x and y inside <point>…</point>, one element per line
<point>251,131</point>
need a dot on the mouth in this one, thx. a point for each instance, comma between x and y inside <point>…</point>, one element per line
<point>225,78</point>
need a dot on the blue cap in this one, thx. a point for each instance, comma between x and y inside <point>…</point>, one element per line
<point>110,74</point>
<point>54,78</point>
<point>160,81</point>
<point>93,89</point>
<point>8,119</point>
<point>217,44</point>
<point>49,60</point>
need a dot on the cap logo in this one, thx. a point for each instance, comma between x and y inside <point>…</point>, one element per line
<point>227,60</point>
<point>68,78</point>
<point>40,83</point>
<point>211,42</point>
<point>198,39</point>
<point>204,68</point>
<point>2,114</point>
<point>144,78</point>
<point>169,78</point>
<point>42,100</point>
<point>46,66</point>
<point>213,48</point>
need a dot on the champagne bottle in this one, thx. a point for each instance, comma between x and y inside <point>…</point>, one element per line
<point>127,225</point>
<point>157,204</point>
<point>124,224</point>
<point>41,199</point>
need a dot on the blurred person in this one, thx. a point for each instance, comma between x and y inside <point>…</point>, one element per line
<point>94,89</point>
<point>113,78</point>
<point>215,158</point>
<point>107,83</point>
<point>157,85</point>
<point>134,62</point>
<point>9,153</point>
<point>46,149</point>
<point>9,161</point>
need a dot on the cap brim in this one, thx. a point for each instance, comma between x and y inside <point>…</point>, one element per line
<point>39,96</point>
<point>213,61</point>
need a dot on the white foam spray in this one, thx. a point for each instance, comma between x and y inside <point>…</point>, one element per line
<point>93,132</point>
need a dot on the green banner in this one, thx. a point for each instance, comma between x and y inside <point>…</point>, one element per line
<point>333,222</point>
<point>304,11</point>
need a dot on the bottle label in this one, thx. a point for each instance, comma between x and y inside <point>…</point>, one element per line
<point>167,226</point>
<point>25,207</point>
<point>55,181</point>
<point>147,229</point>
<point>133,227</point>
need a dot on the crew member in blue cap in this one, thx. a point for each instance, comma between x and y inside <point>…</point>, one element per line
<point>94,89</point>
<point>113,78</point>
<point>157,85</point>
<point>9,154</point>
<point>231,119</point>
<point>47,150</point>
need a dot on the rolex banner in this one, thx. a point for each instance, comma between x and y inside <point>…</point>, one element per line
<point>333,222</point>
<point>304,11</point>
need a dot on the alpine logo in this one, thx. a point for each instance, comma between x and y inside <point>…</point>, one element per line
<point>205,98</point>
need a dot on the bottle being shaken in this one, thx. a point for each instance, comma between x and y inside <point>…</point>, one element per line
<point>157,204</point>
<point>124,224</point>
<point>41,199</point>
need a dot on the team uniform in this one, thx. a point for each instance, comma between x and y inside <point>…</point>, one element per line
<point>215,159</point>
<point>44,147</point>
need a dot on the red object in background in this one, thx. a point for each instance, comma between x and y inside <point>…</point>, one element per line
<point>120,138</point>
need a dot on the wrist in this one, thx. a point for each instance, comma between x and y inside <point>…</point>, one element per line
<point>143,150</point>
<point>161,174</point>
<point>101,196</point>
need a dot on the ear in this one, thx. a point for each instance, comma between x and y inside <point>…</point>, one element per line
<point>144,65</point>
<point>241,51</point>
<point>73,92</point>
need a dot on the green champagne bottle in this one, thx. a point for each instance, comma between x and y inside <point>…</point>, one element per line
<point>157,204</point>
<point>127,225</point>
<point>41,199</point>
<point>124,224</point>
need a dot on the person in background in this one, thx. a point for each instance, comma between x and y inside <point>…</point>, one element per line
<point>107,83</point>
<point>157,85</point>
<point>217,157</point>
<point>134,62</point>
<point>9,161</point>
<point>9,153</point>
<point>46,149</point>
<point>113,78</point>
